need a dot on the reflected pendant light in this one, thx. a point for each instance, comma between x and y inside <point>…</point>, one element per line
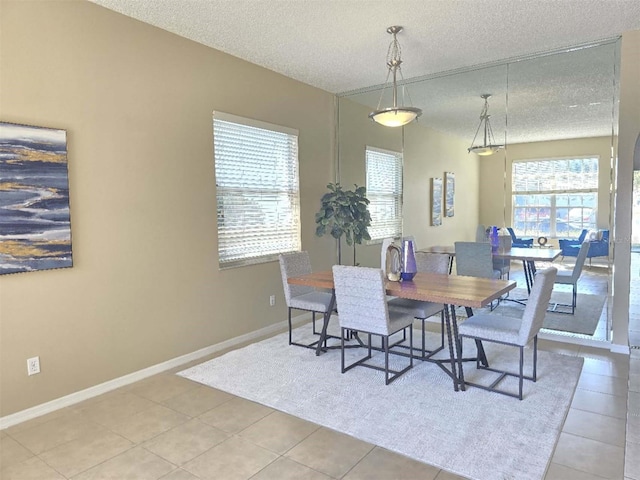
<point>489,146</point>
<point>394,116</point>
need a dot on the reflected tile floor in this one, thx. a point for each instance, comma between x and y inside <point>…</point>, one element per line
<point>167,427</point>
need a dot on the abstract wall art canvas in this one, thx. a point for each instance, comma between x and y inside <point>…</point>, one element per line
<point>436,201</point>
<point>449,192</point>
<point>35,227</point>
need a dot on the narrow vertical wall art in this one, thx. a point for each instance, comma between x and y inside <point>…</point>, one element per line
<point>449,192</point>
<point>436,201</point>
<point>35,227</point>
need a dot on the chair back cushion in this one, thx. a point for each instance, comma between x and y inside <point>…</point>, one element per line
<point>537,305</point>
<point>361,299</point>
<point>474,259</point>
<point>432,262</point>
<point>292,265</point>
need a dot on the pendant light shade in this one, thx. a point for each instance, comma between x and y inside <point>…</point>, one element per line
<point>394,116</point>
<point>489,146</point>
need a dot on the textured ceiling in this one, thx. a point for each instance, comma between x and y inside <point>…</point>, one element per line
<point>341,46</point>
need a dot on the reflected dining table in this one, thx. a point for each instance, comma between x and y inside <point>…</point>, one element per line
<point>528,256</point>
<point>449,290</point>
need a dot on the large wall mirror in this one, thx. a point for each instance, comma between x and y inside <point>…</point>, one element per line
<point>558,108</point>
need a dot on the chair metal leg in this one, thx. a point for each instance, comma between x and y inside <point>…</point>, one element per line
<point>521,380</point>
<point>389,374</point>
<point>503,374</point>
<point>535,358</point>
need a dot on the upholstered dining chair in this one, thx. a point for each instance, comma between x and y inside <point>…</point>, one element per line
<point>503,264</point>
<point>474,259</point>
<point>430,263</point>
<point>572,277</point>
<point>300,297</point>
<point>362,303</point>
<point>516,332</point>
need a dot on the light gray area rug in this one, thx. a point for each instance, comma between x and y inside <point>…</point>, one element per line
<point>584,321</point>
<point>475,433</point>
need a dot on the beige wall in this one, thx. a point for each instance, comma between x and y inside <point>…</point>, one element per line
<point>145,287</point>
<point>495,200</point>
<point>429,154</point>
<point>426,154</point>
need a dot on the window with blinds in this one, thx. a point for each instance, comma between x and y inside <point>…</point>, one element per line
<point>258,195</point>
<point>384,191</point>
<point>555,198</point>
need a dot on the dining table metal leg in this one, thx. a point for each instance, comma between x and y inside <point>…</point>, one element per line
<point>454,326</point>
<point>327,316</point>
<point>452,357</point>
<point>529,267</point>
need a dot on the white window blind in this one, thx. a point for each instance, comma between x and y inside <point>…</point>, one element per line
<point>556,197</point>
<point>258,194</point>
<point>384,191</point>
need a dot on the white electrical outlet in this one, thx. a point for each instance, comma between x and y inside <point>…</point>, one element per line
<point>33,365</point>
<point>272,300</point>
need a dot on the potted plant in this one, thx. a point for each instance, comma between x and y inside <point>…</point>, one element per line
<point>344,212</point>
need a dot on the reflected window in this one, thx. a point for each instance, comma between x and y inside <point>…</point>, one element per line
<point>384,191</point>
<point>555,198</point>
<point>257,190</point>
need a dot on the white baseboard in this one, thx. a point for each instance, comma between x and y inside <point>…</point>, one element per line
<point>588,342</point>
<point>624,349</point>
<point>80,396</point>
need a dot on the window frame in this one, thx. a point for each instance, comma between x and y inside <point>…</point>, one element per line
<point>247,188</point>
<point>396,195</point>
<point>555,192</point>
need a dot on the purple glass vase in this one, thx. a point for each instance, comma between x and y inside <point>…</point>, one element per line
<point>494,239</point>
<point>409,268</point>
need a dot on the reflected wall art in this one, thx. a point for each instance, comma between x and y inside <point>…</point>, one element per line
<point>436,201</point>
<point>35,227</point>
<point>449,192</point>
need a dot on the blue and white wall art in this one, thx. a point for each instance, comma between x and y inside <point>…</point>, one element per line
<point>35,227</point>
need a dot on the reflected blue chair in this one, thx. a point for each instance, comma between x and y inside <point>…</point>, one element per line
<point>519,242</point>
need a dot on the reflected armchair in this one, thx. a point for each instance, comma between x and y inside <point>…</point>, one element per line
<point>519,242</point>
<point>570,247</point>
<point>598,244</point>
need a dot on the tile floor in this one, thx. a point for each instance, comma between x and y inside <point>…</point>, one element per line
<point>167,427</point>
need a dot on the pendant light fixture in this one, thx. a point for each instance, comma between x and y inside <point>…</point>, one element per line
<point>489,146</point>
<point>394,116</point>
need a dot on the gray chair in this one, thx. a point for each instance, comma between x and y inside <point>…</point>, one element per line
<point>512,331</point>
<point>503,264</point>
<point>361,301</point>
<point>481,234</point>
<point>300,297</point>
<point>433,263</point>
<point>571,278</point>
<point>474,259</point>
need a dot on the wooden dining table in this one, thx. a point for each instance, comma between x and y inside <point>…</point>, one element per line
<point>449,290</point>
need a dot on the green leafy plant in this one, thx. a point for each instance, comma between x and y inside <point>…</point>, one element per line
<point>344,212</point>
